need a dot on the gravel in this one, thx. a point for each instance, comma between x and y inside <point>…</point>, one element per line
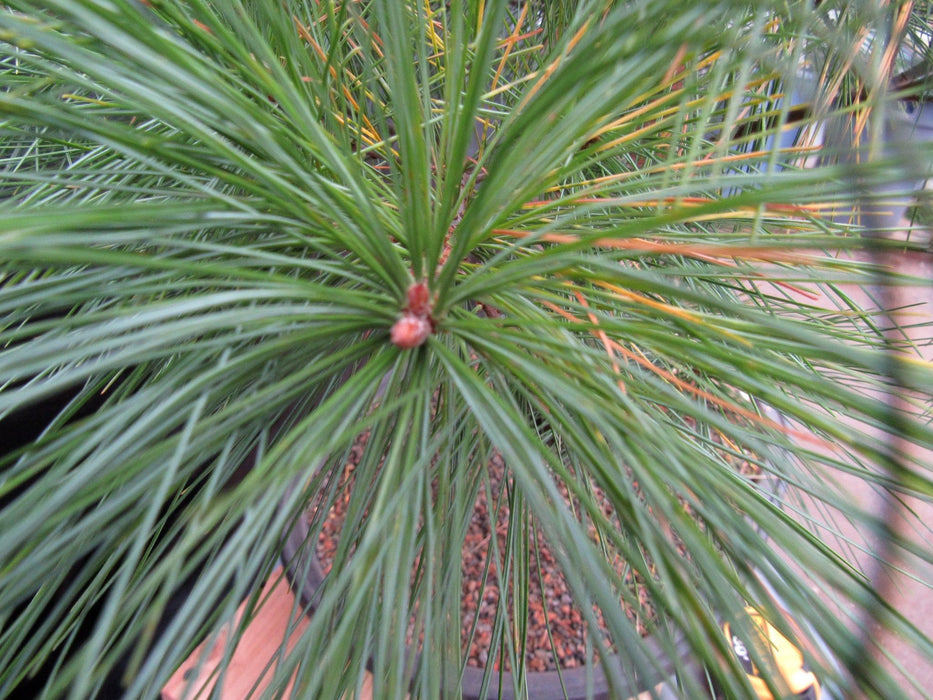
<point>556,631</point>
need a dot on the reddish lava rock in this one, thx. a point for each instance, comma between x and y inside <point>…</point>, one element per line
<point>556,635</point>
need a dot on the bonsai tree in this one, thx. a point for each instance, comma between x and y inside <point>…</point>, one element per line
<point>566,238</point>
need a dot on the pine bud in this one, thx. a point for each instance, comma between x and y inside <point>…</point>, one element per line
<point>419,300</point>
<point>411,330</point>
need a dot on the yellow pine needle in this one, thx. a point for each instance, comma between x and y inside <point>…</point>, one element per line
<point>887,60</point>
<point>369,131</point>
<point>597,183</point>
<point>676,65</point>
<point>671,378</point>
<point>553,65</point>
<point>509,44</point>
<point>803,211</point>
<point>677,312</point>
<point>706,252</point>
<point>660,115</point>
<point>89,100</point>
<point>600,334</point>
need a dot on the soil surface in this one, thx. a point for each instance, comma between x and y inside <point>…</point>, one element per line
<point>556,636</point>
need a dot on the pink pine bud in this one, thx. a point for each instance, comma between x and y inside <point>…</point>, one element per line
<point>419,299</point>
<point>411,330</point>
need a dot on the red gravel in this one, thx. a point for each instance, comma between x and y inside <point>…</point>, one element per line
<point>556,629</point>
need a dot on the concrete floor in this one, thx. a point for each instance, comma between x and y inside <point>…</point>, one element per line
<point>911,591</point>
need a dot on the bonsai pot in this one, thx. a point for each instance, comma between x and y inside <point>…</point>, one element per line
<point>305,575</point>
